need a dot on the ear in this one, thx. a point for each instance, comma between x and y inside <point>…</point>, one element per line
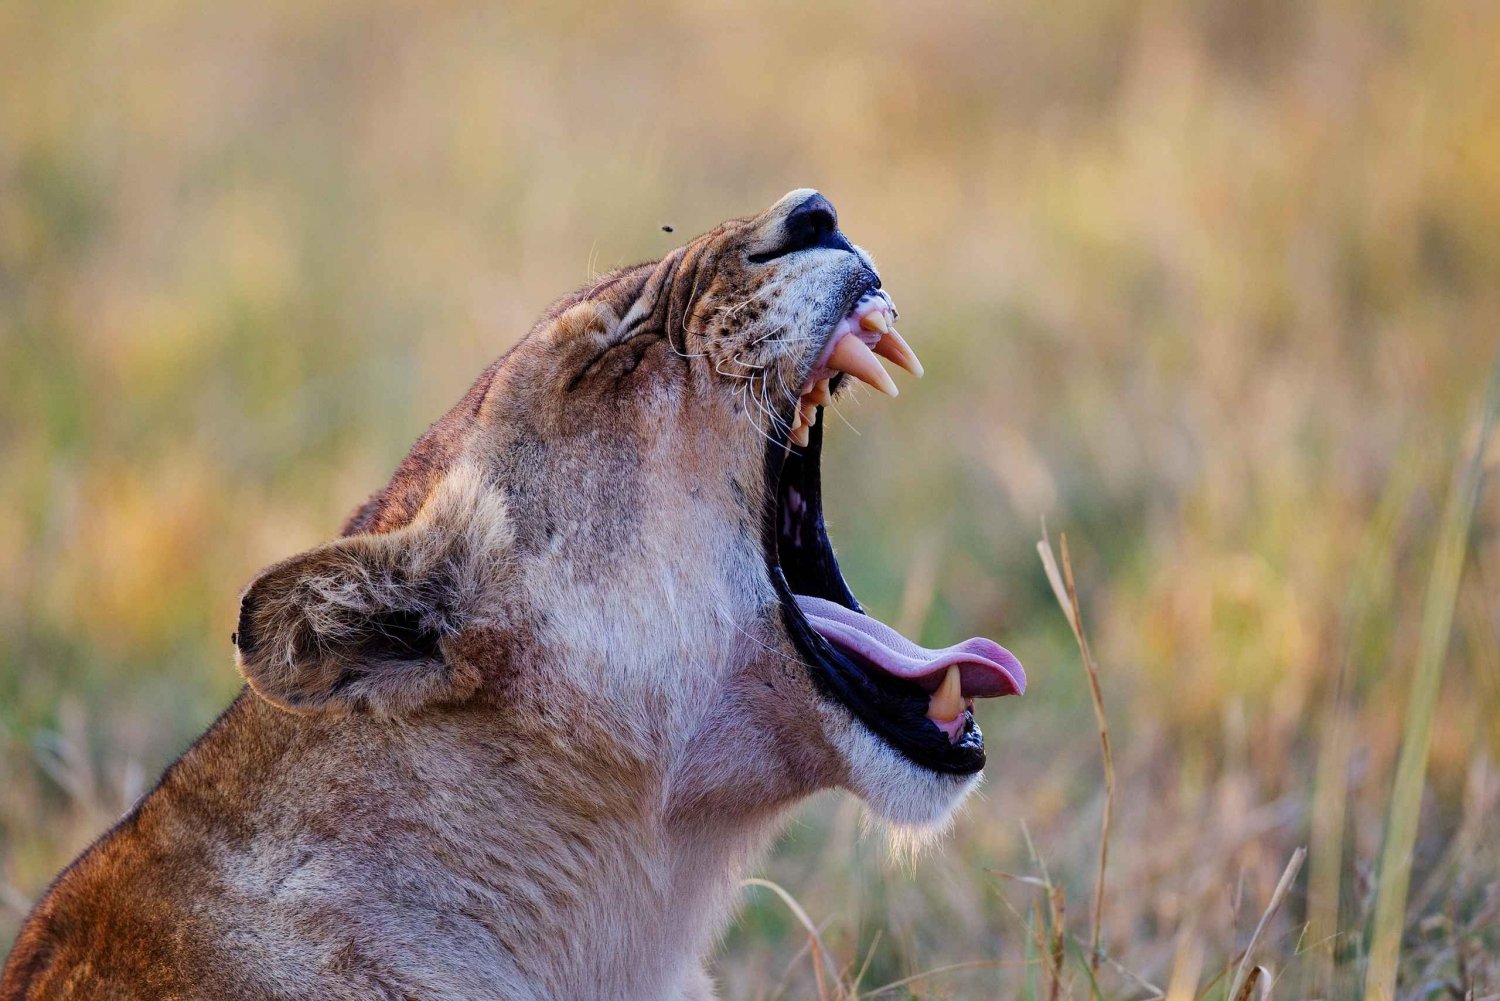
<point>363,623</point>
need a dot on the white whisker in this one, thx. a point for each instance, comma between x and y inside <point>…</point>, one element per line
<point>732,375</point>
<point>744,364</point>
<point>757,428</point>
<point>840,415</point>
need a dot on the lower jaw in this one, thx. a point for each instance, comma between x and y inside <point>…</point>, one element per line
<point>802,562</point>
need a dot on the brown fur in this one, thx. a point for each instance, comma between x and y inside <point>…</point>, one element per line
<point>518,731</point>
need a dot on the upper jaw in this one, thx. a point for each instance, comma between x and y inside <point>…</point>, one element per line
<point>866,329</point>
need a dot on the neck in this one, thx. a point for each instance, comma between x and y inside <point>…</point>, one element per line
<point>518,835</point>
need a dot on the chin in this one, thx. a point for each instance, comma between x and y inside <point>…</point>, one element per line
<point>903,794</point>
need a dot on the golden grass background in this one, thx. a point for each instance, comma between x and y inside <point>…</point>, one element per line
<point>1211,287</point>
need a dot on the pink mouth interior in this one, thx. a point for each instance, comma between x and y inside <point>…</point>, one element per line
<point>850,326</point>
<point>986,669</point>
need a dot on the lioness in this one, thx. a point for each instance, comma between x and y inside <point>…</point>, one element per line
<point>519,730</point>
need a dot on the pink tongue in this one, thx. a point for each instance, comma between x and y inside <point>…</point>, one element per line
<point>986,669</point>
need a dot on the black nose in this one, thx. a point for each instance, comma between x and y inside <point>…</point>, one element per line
<point>811,224</point>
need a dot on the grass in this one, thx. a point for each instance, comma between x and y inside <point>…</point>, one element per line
<point>1390,919</point>
<point>1067,597</point>
<point>1209,285</point>
<point>1048,933</point>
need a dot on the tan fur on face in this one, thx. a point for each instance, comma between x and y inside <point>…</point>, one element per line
<point>519,731</point>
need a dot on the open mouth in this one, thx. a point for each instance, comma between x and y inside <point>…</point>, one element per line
<point>919,700</point>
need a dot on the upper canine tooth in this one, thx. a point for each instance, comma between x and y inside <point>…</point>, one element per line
<point>850,355</point>
<point>893,347</point>
<point>875,320</point>
<point>948,701</point>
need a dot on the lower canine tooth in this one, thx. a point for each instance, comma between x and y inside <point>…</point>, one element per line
<point>948,701</point>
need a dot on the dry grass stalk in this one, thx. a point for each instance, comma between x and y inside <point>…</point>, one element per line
<point>1048,928</point>
<point>1067,596</point>
<point>975,964</point>
<point>1055,946</point>
<point>1241,984</point>
<point>1247,989</point>
<point>1369,595</point>
<point>1416,739</point>
<point>1186,968</point>
<point>820,956</point>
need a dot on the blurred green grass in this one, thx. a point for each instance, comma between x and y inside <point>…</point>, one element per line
<point>1196,282</point>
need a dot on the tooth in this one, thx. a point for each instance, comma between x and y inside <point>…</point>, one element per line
<point>819,394</point>
<point>948,701</point>
<point>875,320</point>
<point>799,434</point>
<point>893,347</point>
<point>805,413</point>
<point>850,355</point>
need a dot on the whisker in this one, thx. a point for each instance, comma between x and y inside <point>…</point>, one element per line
<point>735,309</point>
<point>738,361</point>
<point>756,427</point>
<point>779,422</point>
<point>762,403</point>
<point>793,398</point>
<point>731,375</point>
<point>769,333</point>
<point>770,650</point>
<point>840,415</point>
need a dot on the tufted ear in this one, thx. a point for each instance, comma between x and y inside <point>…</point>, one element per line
<point>363,623</point>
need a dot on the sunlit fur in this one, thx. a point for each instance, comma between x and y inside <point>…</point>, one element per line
<point>519,731</point>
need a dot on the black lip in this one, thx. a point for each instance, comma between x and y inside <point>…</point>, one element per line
<point>859,283</point>
<point>834,240</point>
<point>801,561</point>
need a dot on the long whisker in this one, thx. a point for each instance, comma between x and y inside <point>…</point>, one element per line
<point>757,428</point>
<point>780,423</point>
<point>794,399</point>
<point>727,617</point>
<point>840,415</point>
<point>736,308</point>
<point>763,405</point>
<point>731,375</point>
<point>692,299</point>
<point>686,314</point>
<point>744,364</point>
<point>768,334</point>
